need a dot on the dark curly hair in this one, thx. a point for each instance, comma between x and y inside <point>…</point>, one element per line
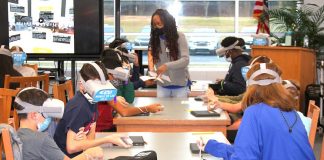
<point>171,35</point>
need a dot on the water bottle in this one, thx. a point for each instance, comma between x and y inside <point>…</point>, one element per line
<point>288,38</point>
<point>306,41</point>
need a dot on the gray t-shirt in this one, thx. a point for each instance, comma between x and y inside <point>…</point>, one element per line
<point>38,145</point>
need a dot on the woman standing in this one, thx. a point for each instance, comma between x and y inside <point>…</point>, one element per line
<point>168,55</point>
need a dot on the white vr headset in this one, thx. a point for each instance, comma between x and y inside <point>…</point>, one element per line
<point>263,70</point>
<point>120,73</point>
<point>99,90</point>
<point>53,108</point>
<point>130,56</point>
<point>289,85</point>
<point>221,51</point>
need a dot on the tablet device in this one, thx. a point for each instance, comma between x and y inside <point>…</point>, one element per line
<point>195,149</point>
<point>205,113</point>
<point>143,114</point>
<point>137,140</point>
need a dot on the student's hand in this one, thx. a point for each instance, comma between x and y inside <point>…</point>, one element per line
<point>94,153</point>
<point>153,108</point>
<point>162,69</point>
<point>201,142</point>
<point>149,82</point>
<point>81,135</point>
<point>116,139</point>
<point>122,101</point>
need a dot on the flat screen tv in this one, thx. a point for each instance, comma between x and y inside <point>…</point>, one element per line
<point>42,26</point>
<point>56,28</point>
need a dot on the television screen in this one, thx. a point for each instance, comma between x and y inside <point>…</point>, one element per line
<point>42,26</point>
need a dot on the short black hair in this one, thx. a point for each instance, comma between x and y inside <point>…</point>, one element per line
<point>33,96</point>
<point>110,59</point>
<point>117,42</point>
<point>228,41</point>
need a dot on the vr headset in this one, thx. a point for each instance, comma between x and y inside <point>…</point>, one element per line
<point>263,70</point>
<point>119,73</point>
<point>53,108</point>
<point>99,90</point>
<point>130,56</point>
<point>221,51</point>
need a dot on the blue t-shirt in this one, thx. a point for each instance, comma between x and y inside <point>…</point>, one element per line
<point>264,135</point>
<point>78,113</point>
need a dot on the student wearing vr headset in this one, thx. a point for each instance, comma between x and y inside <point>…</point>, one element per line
<point>6,67</point>
<point>19,58</point>
<point>270,128</point>
<point>32,112</point>
<point>168,55</point>
<point>122,46</point>
<point>81,112</point>
<point>106,109</point>
<point>233,84</point>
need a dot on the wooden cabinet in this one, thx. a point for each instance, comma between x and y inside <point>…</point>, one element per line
<point>296,63</point>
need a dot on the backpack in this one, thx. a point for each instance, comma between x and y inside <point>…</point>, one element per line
<point>15,141</point>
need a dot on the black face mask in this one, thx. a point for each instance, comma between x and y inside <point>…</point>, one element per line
<point>159,31</point>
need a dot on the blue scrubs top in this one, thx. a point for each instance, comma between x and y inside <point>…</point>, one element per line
<point>263,135</point>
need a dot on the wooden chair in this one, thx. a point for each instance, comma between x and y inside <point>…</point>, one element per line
<point>7,95</point>
<point>6,144</point>
<point>63,92</point>
<point>313,113</point>
<point>42,80</point>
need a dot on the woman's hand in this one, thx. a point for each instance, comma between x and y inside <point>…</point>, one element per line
<point>162,69</point>
<point>117,140</point>
<point>81,135</point>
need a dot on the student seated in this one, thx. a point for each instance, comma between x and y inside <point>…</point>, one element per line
<point>19,57</point>
<point>233,84</point>
<point>106,109</point>
<point>81,114</point>
<point>270,128</point>
<point>6,67</point>
<point>33,105</point>
<point>127,58</point>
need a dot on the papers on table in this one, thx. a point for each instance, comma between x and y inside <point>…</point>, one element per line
<point>154,76</point>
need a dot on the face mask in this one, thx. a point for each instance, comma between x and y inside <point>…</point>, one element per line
<point>244,71</point>
<point>19,58</point>
<point>43,126</point>
<point>159,31</point>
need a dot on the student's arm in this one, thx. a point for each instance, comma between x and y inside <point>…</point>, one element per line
<point>73,146</point>
<point>150,60</point>
<point>91,153</point>
<point>232,108</point>
<point>129,111</point>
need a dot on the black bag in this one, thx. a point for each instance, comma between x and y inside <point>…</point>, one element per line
<point>144,155</point>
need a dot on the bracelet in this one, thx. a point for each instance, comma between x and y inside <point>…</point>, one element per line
<point>146,109</point>
<point>140,109</point>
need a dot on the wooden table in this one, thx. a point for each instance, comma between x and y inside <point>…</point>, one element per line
<point>152,93</point>
<point>176,117</point>
<point>168,146</point>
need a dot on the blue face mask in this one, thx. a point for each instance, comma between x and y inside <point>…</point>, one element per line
<point>19,58</point>
<point>244,71</point>
<point>43,126</point>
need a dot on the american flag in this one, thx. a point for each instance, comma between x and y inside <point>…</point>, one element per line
<point>261,8</point>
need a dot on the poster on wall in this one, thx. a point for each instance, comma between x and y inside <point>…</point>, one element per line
<point>40,26</point>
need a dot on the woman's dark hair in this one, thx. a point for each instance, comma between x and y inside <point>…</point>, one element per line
<point>33,96</point>
<point>171,35</point>
<point>89,72</point>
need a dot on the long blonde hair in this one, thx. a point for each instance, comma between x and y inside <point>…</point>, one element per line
<point>273,94</point>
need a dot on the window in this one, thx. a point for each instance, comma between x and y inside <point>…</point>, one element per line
<point>205,23</point>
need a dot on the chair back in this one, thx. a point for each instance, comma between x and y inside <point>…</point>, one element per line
<point>6,144</point>
<point>63,92</point>
<point>313,113</point>
<point>41,80</point>
<point>5,109</point>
